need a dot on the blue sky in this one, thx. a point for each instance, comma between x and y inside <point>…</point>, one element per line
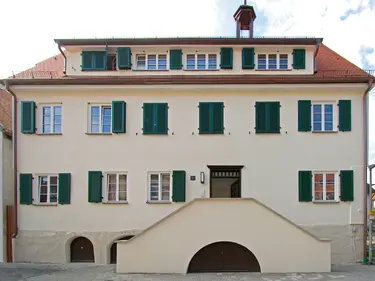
<point>29,27</point>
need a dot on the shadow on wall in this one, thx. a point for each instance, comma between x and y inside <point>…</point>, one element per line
<point>113,249</point>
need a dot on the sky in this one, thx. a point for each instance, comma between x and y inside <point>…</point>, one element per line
<point>29,27</point>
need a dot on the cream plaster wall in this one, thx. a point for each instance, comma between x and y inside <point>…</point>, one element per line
<point>249,224</point>
<point>74,60</point>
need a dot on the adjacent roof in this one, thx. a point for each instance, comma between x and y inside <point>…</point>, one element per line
<point>330,68</point>
<point>190,41</point>
<point>42,69</point>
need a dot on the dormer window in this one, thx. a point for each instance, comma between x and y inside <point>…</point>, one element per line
<point>272,61</point>
<point>201,61</point>
<point>151,62</point>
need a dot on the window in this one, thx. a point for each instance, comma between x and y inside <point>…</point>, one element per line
<point>116,188</point>
<point>201,61</point>
<point>155,118</point>
<point>47,188</point>
<point>323,117</point>
<point>272,61</point>
<point>211,118</point>
<point>267,117</point>
<point>152,62</point>
<point>159,187</point>
<point>324,185</point>
<point>51,119</point>
<point>100,119</point>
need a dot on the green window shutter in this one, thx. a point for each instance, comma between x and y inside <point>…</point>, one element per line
<point>64,188</point>
<point>28,117</point>
<point>118,117</point>
<point>304,115</point>
<point>87,60</point>
<point>273,117</point>
<point>179,186</point>
<point>217,117</point>
<point>260,117</point>
<point>95,186</point>
<point>299,58</point>
<point>124,58</point>
<point>226,56</point>
<point>161,112</point>
<point>305,186</point>
<point>204,117</point>
<point>26,189</point>
<point>148,118</point>
<point>175,57</point>
<point>347,185</point>
<point>248,61</point>
<point>345,115</point>
<point>100,60</point>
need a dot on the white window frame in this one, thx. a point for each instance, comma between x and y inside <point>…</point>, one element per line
<point>334,115</point>
<point>105,189</point>
<point>277,61</point>
<point>52,118</point>
<point>37,189</point>
<point>336,186</point>
<point>157,61</point>
<point>206,57</point>
<point>159,186</point>
<point>101,105</point>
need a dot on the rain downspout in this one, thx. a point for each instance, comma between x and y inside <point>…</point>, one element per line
<point>61,51</point>
<point>15,163</point>
<point>366,149</point>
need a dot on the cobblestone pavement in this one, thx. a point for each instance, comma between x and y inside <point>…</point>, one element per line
<point>86,272</point>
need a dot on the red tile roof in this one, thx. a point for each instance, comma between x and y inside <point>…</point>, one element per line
<point>42,69</point>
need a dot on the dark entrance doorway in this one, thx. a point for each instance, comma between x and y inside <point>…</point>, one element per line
<point>225,181</point>
<point>113,251</point>
<point>224,257</point>
<point>81,250</point>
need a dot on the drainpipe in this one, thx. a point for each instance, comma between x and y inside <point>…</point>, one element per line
<point>15,176</point>
<point>366,148</point>
<point>61,51</point>
<point>318,43</point>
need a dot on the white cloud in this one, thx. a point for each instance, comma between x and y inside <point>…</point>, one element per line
<point>29,27</point>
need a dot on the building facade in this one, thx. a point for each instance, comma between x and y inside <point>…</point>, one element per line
<point>138,129</point>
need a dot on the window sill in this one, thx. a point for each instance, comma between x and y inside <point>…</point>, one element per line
<point>325,132</point>
<point>99,134</point>
<point>157,134</point>
<point>264,133</point>
<point>193,70</point>
<point>159,202</point>
<point>272,70</point>
<point>49,134</point>
<point>325,201</point>
<point>115,202</point>
<point>211,133</point>
<point>156,70</point>
<point>45,204</point>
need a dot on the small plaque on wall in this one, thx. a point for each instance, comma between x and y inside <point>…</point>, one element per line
<point>192,178</point>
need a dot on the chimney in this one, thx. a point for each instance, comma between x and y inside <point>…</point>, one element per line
<point>245,17</point>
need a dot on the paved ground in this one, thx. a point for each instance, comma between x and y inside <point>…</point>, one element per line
<point>85,272</point>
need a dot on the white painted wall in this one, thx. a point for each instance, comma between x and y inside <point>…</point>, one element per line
<point>249,224</point>
<point>271,162</point>
<point>74,60</point>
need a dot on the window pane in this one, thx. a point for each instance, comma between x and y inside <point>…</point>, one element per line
<point>165,187</point>
<point>201,61</point>
<point>284,61</point>
<point>328,126</point>
<point>57,110</point>
<point>95,110</point>
<point>272,61</point>
<point>57,120</point>
<point>43,189</point>
<point>262,62</point>
<point>141,62</point>
<point>190,61</point>
<point>122,187</point>
<point>46,119</point>
<point>94,128</point>
<point>53,180</point>
<point>154,187</point>
<point>46,111</point>
<point>328,108</point>
<point>46,128</point>
<point>318,186</point>
<point>317,126</point>
<point>95,120</point>
<point>111,187</point>
<point>212,62</point>
<point>57,129</point>
<point>317,108</point>
<point>106,129</point>
<point>53,198</point>
<point>151,64</point>
<point>162,62</point>
<point>106,119</point>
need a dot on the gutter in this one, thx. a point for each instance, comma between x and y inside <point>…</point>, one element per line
<point>61,51</point>
<point>366,149</point>
<point>15,163</point>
